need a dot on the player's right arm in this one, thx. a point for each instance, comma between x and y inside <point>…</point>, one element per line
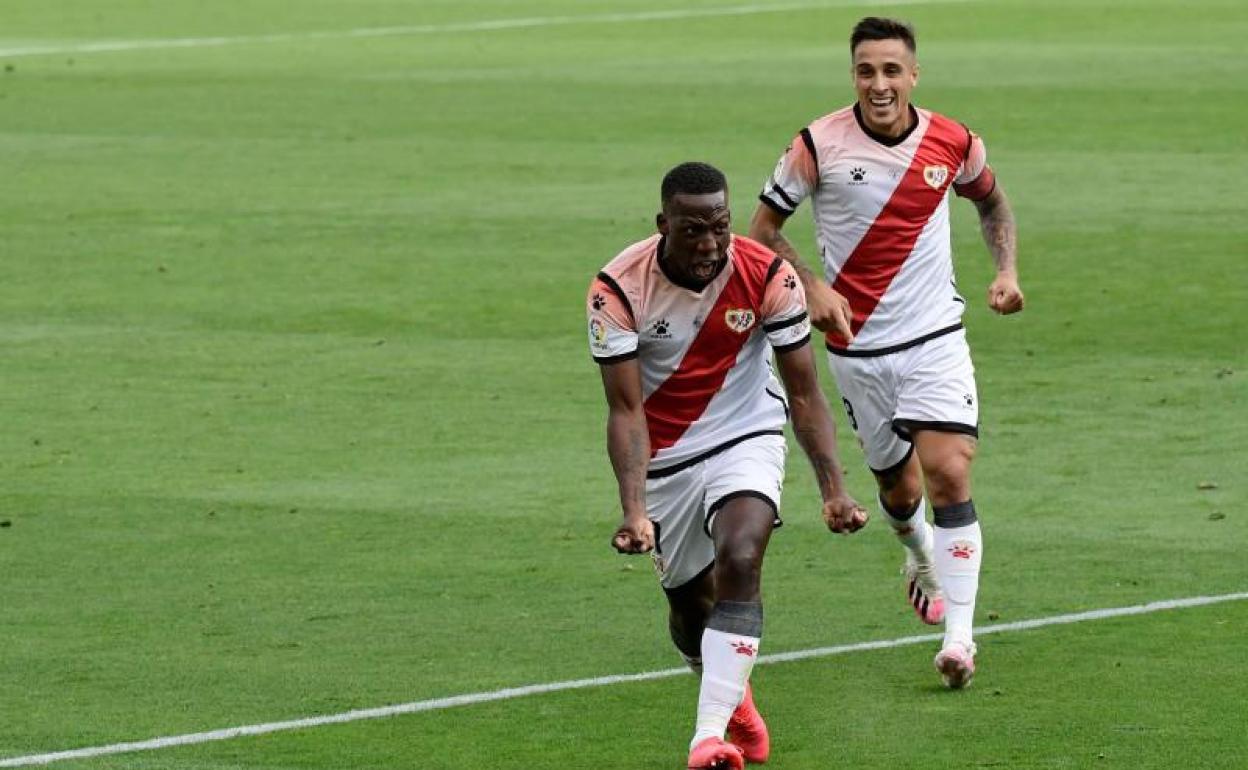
<point>829,311</point>
<point>613,344</point>
<point>795,177</point>
<point>628,446</point>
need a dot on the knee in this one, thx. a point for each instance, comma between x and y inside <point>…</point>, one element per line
<point>948,476</point>
<point>899,499</point>
<point>740,562</point>
<point>901,489</point>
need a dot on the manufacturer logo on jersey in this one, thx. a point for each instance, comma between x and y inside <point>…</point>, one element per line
<point>935,176</point>
<point>857,175</point>
<point>658,330</point>
<point>598,301</point>
<point>598,334</point>
<point>790,282</point>
<point>740,320</point>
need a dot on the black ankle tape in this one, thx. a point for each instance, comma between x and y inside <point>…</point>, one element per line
<point>956,515</point>
<point>744,618</point>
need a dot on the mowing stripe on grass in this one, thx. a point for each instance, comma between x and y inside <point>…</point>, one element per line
<point>578,684</point>
<point>488,25</point>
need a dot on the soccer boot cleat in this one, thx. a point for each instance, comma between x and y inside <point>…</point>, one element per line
<point>715,754</point>
<point>956,664</point>
<point>923,589</point>
<point>748,731</point>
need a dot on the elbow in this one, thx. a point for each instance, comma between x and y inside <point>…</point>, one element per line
<point>762,229</point>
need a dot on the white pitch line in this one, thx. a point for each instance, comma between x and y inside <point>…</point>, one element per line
<point>579,684</point>
<point>490,25</point>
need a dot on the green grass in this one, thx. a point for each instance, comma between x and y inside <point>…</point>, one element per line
<point>299,416</point>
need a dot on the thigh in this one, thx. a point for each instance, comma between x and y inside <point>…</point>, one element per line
<point>751,469</point>
<point>682,549</point>
<point>869,393</point>
<point>937,389</point>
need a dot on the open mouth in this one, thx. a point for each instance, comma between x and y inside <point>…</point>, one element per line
<point>882,102</point>
<point>705,269</point>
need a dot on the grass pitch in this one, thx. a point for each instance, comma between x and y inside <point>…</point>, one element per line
<point>300,419</point>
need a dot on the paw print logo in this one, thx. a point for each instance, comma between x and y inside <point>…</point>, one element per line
<point>660,329</point>
<point>598,301</point>
<point>962,549</point>
<point>790,282</point>
<point>857,173</point>
<point>969,399</point>
<point>744,648</point>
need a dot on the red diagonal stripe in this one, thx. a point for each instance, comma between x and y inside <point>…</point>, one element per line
<point>684,396</point>
<point>889,241</point>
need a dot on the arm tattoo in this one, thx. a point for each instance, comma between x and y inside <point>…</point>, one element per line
<point>1001,235</point>
<point>779,244</point>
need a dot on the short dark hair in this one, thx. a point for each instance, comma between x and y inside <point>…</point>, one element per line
<point>879,28</point>
<point>692,178</point>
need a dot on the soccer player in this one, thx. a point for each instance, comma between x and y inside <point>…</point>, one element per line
<point>683,326</point>
<point>878,174</point>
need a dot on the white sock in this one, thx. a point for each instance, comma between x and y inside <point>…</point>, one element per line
<point>959,551</point>
<point>727,660</point>
<point>913,532</point>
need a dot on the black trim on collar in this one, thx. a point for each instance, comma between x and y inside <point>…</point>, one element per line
<point>887,141</point>
<point>615,289</point>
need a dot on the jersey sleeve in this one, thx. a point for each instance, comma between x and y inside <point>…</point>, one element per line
<point>784,310</point>
<point>794,178</point>
<point>975,179</point>
<point>612,330</point>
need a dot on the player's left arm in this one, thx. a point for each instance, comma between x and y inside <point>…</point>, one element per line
<point>996,221</point>
<point>976,182</point>
<point>816,435</point>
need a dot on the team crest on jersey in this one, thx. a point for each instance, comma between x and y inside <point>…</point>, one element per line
<point>740,320</point>
<point>935,176</point>
<point>597,334</point>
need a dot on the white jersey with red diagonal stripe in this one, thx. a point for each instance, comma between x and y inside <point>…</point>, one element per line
<point>704,356</point>
<point>881,210</point>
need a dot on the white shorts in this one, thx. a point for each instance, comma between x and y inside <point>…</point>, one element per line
<point>931,385</point>
<point>682,505</point>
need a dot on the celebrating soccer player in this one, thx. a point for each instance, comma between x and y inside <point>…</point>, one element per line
<point>878,174</point>
<point>683,325</point>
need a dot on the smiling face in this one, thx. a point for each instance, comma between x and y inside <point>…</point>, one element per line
<point>885,71</point>
<point>696,228</point>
